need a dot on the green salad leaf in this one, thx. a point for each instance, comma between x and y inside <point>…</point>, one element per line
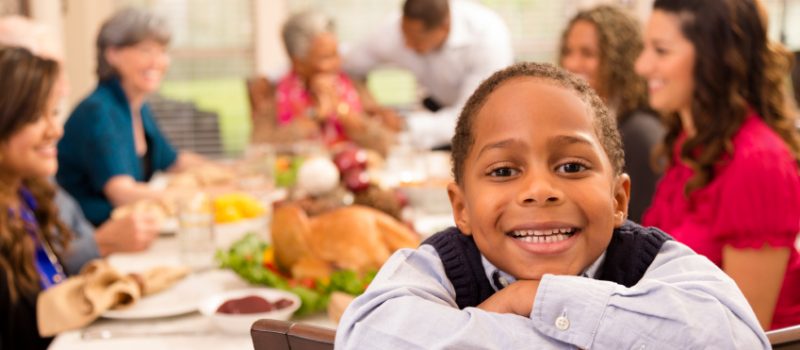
<point>245,257</point>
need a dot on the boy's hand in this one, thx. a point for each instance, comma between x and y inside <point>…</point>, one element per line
<point>517,299</point>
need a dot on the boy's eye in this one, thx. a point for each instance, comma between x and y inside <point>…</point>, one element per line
<point>571,168</point>
<point>502,172</point>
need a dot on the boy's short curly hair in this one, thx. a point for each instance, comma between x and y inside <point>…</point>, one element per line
<point>604,125</point>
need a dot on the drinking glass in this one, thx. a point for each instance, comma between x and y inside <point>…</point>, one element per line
<point>196,231</point>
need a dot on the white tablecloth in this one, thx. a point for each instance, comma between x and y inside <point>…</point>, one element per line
<point>193,330</point>
<point>189,331</point>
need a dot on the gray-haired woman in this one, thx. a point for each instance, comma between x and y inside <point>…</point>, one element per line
<point>316,92</point>
<point>111,143</point>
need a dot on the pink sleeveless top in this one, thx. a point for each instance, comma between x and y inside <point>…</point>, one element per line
<point>294,99</point>
<point>753,200</point>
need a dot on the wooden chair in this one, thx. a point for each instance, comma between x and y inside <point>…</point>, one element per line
<point>286,335</point>
<point>785,338</point>
<point>261,94</point>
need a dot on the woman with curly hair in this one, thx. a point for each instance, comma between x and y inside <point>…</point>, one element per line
<point>732,188</point>
<point>601,45</point>
<point>32,238</point>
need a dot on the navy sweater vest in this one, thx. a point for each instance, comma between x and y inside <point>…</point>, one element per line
<point>631,251</point>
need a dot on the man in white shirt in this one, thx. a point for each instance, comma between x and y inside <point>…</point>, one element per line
<point>450,47</point>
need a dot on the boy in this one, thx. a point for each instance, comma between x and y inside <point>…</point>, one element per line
<point>543,256</point>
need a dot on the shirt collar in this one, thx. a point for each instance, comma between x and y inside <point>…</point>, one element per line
<point>114,85</point>
<point>497,276</point>
<point>458,35</point>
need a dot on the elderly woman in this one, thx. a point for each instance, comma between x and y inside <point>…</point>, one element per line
<point>316,98</point>
<point>601,45</point>
<point>111,144</point>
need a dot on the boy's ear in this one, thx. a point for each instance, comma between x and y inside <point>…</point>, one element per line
<point>622,196</point>
<point>459,205</point>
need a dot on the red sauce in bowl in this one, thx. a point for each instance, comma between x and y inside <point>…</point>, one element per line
<point>252,304</point>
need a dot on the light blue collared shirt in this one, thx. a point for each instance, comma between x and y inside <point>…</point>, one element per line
<point>683,301</point>
<point>505,279</point>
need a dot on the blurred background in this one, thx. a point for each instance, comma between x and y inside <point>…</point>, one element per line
<point>217,45</point>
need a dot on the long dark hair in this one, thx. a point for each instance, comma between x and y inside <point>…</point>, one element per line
<point>620,43</point>
<point>736,68</point>
<point>27,83</point>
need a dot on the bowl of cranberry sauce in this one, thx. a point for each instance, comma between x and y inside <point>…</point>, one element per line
<point>235,311</point>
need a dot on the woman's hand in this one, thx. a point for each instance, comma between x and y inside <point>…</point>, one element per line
<point>323,87</point>
<point>132,233</point>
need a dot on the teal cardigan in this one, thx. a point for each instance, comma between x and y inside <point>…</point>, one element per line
<point>98,144</point>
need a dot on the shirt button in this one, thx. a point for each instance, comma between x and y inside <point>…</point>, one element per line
<point>562,323</point>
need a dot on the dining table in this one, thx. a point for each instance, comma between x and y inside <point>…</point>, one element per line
<point>182,326</point>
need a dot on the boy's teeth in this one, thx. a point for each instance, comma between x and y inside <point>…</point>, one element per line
<point>542,233</point>
<point>544,239</point>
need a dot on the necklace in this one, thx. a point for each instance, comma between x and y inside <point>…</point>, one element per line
<point>47,265</point>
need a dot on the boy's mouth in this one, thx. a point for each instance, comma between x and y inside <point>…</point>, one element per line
<point>544,236</point>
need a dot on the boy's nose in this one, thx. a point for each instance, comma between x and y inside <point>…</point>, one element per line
<point>540,192</point>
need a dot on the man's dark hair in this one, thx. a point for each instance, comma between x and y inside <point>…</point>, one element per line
<point>432,13</point>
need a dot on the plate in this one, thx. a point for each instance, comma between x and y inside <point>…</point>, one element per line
<point>169,226</point>
<point>184,297</point>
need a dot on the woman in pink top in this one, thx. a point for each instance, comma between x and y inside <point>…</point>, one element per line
<point>317,96</point>
<point>732,188</point>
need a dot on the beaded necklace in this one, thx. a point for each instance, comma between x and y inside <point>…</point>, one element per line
<point>47,265</point>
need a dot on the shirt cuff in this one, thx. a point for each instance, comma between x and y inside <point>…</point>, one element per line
<point>570,308</point>
<point>81,250</point>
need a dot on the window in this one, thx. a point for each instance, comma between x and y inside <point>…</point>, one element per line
<point>212,53</point>
<point>784,22</point>
<point>535,27</point>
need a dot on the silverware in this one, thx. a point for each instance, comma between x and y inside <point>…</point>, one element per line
<point>93,334</point>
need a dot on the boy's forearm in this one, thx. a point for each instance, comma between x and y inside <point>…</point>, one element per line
<point>407,307</point>
<point>683,301</point>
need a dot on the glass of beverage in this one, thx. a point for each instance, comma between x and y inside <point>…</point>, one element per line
<point>257,170</point>
<point>196,231</point>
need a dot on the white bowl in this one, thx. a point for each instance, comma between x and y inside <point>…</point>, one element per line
<point>240,323</point>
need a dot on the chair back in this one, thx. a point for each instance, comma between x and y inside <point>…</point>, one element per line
<point>785,338</point>
<point>286,335</point>
<point>261,94</point>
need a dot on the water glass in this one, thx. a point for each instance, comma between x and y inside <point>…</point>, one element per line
<point>196,232</point>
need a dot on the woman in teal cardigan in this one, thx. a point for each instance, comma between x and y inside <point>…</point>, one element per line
<point>111,144</point>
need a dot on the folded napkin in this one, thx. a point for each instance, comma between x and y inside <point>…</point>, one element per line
<point>79,300</point>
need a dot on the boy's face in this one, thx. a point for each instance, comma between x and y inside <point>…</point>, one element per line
<point>539,193</point>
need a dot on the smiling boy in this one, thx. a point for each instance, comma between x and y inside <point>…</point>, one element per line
<point>542,255</point>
